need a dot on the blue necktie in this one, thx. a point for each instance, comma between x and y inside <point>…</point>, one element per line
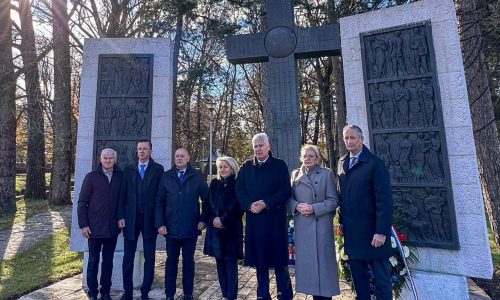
<point>142,171</point>
<point>181,176</point>
<point>352,161</point>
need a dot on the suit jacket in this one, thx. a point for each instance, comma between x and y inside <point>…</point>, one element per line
<point>97,203</point>
<point>366,205</point>
<point>178,205</point>
<point>266,242</point>
<point>127,205</point>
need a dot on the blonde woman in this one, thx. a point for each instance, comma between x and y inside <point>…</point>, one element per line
<point>224,237</point>
<point>313,203</point>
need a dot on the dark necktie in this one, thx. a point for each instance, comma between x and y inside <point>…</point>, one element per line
<point>181,176</point>
<point>352,162</point>
<point>142,171</point>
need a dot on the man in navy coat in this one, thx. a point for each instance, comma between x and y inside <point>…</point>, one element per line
<point>263,189</point>
<point>97,220</point>
<point>136,215</point>
<point>178,218</point>
<point>366,208</point>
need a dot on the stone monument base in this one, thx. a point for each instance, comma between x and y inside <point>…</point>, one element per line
<point>438,286</point>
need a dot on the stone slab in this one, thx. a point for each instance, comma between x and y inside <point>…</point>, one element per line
<point>161,121</point>
<point>453,265</point>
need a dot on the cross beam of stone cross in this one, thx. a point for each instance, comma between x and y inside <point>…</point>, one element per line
<point>280,46</point>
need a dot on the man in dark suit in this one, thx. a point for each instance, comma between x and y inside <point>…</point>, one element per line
<point>366,208</point>
<point>178,218</point>
<point>136,215</point>
<point>97,220</point>
<point>263,189</point>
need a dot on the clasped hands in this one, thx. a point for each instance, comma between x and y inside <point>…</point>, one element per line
<point>257,206</point>
<point>163,229</point>
<point>305,209</point>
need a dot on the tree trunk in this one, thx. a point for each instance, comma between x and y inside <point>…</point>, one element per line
<point>7,114</point>
<point>338,75</point>
<point>60,187</point>
<point>35,177</point>
<point>325,97</point>
<point>175,58</point>
<point>483,118</point>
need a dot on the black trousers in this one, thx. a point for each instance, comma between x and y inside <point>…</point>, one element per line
<point>106,246</point>
<point>174,247</point>
<point>381,271</point>
<point>129,247</point>
<point>283,283</point>
<point>321,298</point>
<point>227,270</point>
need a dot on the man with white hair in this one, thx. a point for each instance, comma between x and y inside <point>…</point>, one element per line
<point>263,189</point>
<point>97,220</point>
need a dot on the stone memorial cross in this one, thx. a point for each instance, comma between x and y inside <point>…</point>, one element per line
<point>280,46</point>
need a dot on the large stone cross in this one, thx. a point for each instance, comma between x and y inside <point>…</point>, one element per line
<point>280,46</point>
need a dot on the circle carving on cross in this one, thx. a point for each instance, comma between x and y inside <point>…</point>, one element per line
<point>280,41</point>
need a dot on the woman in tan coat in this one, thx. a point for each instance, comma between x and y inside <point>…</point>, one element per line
<point>313,203</point>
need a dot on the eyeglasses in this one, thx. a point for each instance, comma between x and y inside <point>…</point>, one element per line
<point>309,156</point>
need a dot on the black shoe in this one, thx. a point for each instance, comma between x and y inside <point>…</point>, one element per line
<point>92,297</point>
<point>144,297</point>
<point>127,297</point>
<point>106,297</point>
<point>170,298</point>
<point>188,297</point>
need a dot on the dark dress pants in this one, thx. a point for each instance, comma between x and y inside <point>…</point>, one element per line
<point>283,283</point>
<point>381,271</point>
<point>174,247</point>
<point>321,298</point>
<point>129,247</point>
<point>106,246</point>
<point>227,270</point>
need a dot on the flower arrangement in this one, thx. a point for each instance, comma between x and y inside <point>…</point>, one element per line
<point>400,273</point>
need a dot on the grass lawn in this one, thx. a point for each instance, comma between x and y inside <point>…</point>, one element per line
<point>46,262</point>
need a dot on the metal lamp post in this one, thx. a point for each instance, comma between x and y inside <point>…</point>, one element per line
<point>211,108</point>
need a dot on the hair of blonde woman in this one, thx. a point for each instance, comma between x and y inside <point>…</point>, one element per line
<point>231,162</point>
<point>309,147</point>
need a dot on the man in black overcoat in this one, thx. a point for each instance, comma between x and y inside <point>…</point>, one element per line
<point>366,208</point>
<point>178,218</point>
<point>97,220</point>
<point>263,189</point>
<point>136,215</point>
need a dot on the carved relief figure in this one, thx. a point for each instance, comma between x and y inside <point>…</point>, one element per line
<point>396,54</point>
<point>145,77</point>
<point>402,101</point>
<point>107,114</point>
<point>141,109</point>
<point>383,152</point>
<point>417,224</point>
<point>107,83</point>
<point>434,159</point>
<point>388,116</point>
<point>416,116</point>
<point>135,77</point>
<point>123,113</point>
<point>418,156</point>
<point>379,48</point>
<point>433,204</point>
<point>404,158</point>
<point>419,51</point>
<point>426,94</point>
<point>126,75</point>
<point>118,76</point>
<point>377,106</point>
